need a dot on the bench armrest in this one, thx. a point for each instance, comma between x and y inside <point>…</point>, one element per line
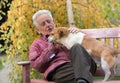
<point>26,70</point>
<point>24,63</point>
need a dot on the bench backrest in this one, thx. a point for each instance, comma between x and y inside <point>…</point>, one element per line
<point>113,34</point>
<point>110,36</point>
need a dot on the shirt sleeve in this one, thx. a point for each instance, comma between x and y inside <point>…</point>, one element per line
<point>40,57</point>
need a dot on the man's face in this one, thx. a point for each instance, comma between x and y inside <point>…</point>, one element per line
<point>46,24</point>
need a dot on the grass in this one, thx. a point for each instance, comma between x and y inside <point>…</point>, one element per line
<point>2,60</point>
<point>1,65</point>
<point>102,77</point>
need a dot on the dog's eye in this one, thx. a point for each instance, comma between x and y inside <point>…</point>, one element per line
<point>52,33</point>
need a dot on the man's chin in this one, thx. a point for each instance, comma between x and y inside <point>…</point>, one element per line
<point>48,34</point>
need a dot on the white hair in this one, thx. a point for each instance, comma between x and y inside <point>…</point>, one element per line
<point>40,12</point>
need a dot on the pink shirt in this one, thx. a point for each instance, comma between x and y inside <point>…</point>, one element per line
<point>40,54</point>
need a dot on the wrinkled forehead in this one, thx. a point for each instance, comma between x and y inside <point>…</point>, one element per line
<point>43,17</point>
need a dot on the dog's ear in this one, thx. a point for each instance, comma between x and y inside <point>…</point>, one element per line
<point>63,32</point>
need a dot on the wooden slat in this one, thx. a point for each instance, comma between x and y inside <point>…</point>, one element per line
<point>102,32</point>
<point>103,40</point>
<point>111,42</point>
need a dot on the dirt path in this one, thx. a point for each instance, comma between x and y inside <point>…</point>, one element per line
<point>4,73</point>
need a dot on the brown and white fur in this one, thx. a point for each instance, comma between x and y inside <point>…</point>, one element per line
<point>94,47</point>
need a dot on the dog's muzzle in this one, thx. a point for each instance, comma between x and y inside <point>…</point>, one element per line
<point>50,38</point>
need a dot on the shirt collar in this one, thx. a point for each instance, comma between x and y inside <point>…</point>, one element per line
<point>44,37</point>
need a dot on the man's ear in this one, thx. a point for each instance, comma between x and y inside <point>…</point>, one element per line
<point>37,29</point>
<point>54,22</point>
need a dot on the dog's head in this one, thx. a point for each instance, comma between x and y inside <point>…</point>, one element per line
<point>58,33</point>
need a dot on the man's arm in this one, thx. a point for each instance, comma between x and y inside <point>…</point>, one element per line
<point>39,57</point>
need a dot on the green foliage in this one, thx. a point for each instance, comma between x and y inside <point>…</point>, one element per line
<point>110,10</point>
<point>1,65</point>
<point>96,13</point>
<point>35,74</point>
<point>4,4</point>
<point>102,77</point>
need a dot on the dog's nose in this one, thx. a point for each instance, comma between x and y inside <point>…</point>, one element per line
<point>50,39</point>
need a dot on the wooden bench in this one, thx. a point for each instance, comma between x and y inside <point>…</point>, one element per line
<point>109,36</point>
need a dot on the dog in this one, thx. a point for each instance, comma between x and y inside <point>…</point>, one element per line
<point>94,47</point>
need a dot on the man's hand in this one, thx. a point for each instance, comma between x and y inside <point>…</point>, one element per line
<point>74,30</point>
<point>57,45</point>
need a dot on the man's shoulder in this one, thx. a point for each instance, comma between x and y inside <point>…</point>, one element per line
<point>36,41</point>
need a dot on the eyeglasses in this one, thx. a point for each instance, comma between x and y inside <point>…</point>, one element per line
<point>44,23</point>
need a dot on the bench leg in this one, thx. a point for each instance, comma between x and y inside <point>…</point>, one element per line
<point>26,73</point>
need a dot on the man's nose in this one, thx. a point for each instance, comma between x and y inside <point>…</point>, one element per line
<point>46,23</point>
